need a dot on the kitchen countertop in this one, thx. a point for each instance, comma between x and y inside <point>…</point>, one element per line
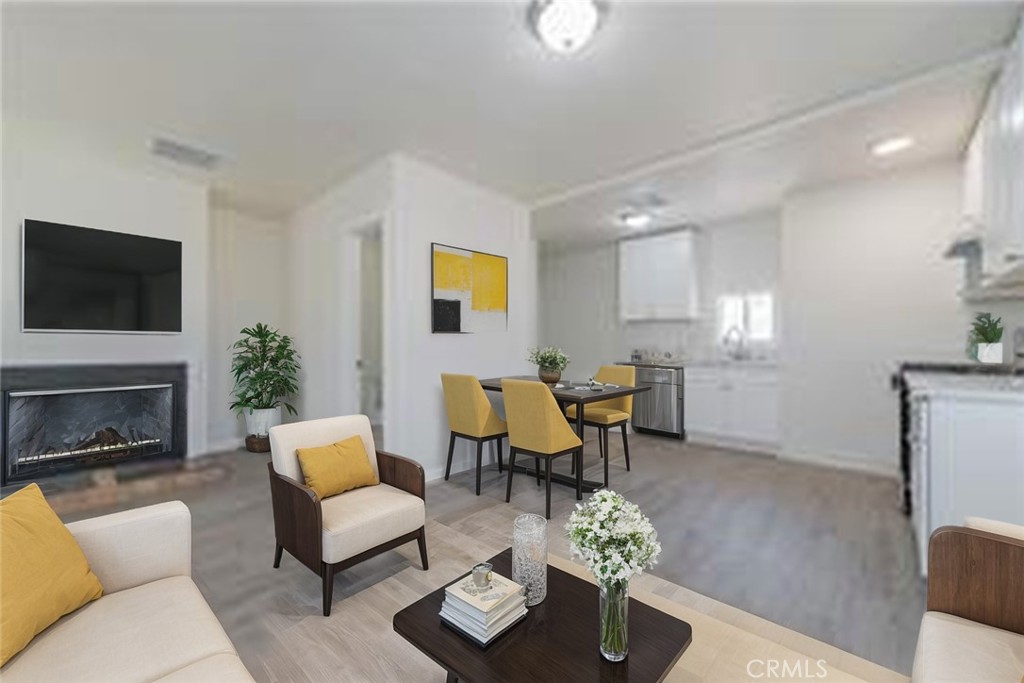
<point>765,363</point>
<point>667,366</point>
<point>935,379</point>
<point>1004,369</point>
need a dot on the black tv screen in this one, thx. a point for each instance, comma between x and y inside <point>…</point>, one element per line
<point>96,280</point>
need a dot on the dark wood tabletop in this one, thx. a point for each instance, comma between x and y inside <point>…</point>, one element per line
<point>558,640</point>
<point>578,395</point>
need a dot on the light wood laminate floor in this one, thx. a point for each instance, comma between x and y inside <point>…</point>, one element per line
<point>822,552</point>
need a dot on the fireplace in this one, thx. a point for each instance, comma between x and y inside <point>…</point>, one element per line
<point>59,418</point>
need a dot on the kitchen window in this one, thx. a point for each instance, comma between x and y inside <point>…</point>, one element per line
<point>753,314</point>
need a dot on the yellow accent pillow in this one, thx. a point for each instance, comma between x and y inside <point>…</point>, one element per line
<point>339,467</point>
<point>43,572</point>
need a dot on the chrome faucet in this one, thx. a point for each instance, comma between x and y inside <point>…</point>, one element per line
<point>734,342</point>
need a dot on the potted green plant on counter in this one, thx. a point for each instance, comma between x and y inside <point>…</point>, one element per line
<point>986,338</point>
<point>265,366</point>
<point>550,362</point>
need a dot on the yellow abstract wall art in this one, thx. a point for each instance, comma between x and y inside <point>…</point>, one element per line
<point>470,290</point>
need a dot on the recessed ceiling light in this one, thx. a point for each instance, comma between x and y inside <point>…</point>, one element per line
<point>565,25</point>
<point>636,220</point>
<point>884,148</point>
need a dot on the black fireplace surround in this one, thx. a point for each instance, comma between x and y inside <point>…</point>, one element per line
<point>57,418</point>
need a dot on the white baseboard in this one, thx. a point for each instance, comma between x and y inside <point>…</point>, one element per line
<point>853,464</point>
<point>433,475</point>
<point>737,444</point>
<point>222,445</point>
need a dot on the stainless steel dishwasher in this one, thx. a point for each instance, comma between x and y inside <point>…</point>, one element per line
<point>660,410</point>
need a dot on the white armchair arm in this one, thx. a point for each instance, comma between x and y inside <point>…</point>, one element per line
<point>130,548</point>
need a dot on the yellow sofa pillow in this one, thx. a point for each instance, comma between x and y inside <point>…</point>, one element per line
<point>336,468</point>
<point>43,572</point>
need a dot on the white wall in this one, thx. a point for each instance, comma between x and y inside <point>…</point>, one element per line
<point>865,286</point>
<point>44,182</point>
<point>415,204</point>
<point>433,206</point>
<point>578,294</point>
<point>248,284</point>
<point>324,288</point>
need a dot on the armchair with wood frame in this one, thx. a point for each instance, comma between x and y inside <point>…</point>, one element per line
<point>340,531</point>
<point>974,627</point>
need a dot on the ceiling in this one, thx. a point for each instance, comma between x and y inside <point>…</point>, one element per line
<point>753,171</point>
<point>296,96</point>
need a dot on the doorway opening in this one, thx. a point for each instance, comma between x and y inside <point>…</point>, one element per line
<point>369,363</point>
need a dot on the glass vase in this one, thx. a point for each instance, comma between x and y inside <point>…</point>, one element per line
<point>614,620</point>
<point>530,556</point>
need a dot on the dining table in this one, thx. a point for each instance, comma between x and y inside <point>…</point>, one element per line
<point>572,393</point>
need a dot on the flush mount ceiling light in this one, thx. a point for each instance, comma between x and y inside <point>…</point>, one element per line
<point>636,220</point>
<point>884,148</point>
<point>565,25</point>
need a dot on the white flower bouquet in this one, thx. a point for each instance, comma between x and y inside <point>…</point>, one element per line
<point>617,542</point>
<point>613,537</point>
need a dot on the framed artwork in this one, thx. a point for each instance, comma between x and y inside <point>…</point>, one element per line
<point>470,291</point>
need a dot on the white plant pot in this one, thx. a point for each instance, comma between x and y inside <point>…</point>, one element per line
<point>990,353</point>
<point>260,420</point>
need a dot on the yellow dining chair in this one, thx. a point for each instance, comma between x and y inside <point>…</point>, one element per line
<point>614,412</point>
<point>471,416</point>
<point>537,427</point>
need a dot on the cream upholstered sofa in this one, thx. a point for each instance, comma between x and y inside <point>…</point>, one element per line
<point>152,623</point>
<point>973,631</point>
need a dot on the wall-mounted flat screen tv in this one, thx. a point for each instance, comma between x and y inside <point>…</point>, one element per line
<point>87,280</point>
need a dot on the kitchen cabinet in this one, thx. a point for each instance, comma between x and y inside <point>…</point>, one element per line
<point>658,277</point>
<point>967,453</point>
<point>732,402</point>
<point>703,402</point>
<point>993,186</point>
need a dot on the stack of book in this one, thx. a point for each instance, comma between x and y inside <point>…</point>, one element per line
<point>483,614</point>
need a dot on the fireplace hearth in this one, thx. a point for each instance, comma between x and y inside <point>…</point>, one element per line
<point>59,418</point>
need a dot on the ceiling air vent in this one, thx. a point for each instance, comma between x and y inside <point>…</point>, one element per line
<point>184,154</point>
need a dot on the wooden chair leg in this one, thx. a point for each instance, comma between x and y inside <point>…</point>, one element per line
<point>479,463</point>
<point>536,464</point>
<point>604,438</point>
<point>327,571</point>
<point>421,541</point>
<point>547,486</point>
<point>625,445</point>
<point>500,468</point>
<point>511,465</point>
<point>451,449</point>
<point>277,555</point>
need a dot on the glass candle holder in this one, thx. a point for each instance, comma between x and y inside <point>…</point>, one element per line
<point>530,556</point>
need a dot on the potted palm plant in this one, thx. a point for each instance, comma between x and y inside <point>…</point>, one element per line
<point>986,338</point>
<point>264,366</point>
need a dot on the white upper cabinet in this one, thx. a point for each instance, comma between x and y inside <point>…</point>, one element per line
<point>974,168</point>
<point>994,172</point>
<point>658,277</point>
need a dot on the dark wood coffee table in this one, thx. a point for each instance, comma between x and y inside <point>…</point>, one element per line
<point>558,640</point>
